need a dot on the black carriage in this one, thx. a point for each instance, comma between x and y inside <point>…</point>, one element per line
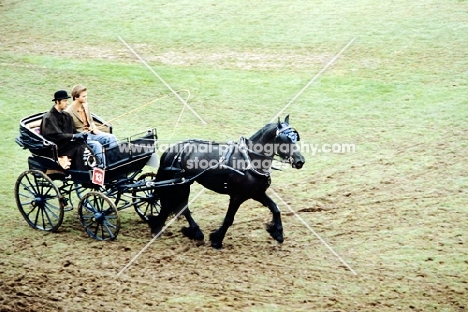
<point>46,191</point>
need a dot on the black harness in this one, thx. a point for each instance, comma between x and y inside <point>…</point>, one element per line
<point>283,135</point>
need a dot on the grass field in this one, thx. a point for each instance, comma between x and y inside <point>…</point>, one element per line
<point>395,209</point>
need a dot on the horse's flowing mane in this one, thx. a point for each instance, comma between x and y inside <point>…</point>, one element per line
<point>269,130</point>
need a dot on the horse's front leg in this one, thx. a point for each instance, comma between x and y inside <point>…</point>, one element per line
<point>217,236</point>
<point>275,227</point>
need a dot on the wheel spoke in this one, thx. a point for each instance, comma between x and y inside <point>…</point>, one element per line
<point>45,217</point>
<point>90,218</point>
<point>40,185</point>
<point>51,209</point>
<point>109,231</point>
<point>89,224</point>
<point>44,212</point>
<point>103,235</point>
<point>97,229</point>
<point>28,196</point>
<point>45,190</point>
<point>26,203</point>
<point>107,223</point>
<point>40,212</point>
<point>31,185</point>
<point>32,210</point>
<point>28,188</point>
<point>145,209</point>
<point>98,203</point>
<point>88,206</point>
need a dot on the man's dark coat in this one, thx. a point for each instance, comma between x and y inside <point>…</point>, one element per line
<point>58,127</point>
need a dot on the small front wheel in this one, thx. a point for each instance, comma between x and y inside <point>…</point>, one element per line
<point>39,200</point>
<point>98,215</point>
<point>146,203</point>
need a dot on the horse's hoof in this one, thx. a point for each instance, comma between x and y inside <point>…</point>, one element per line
<point>154,224</point>
<point>216,245</point>
<point>280,239</point>
<point>199,236</point>
<point>150,219</point>
<point>193,233</point>
<point>215,242</point>
<point>277,234</point>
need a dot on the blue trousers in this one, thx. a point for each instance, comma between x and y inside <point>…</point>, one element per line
<point>97,141</point>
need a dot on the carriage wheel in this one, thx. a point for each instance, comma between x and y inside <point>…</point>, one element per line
<point>39,200</point>
<point>80,190</point>
<point>146,202</point>
<point>98,214</point>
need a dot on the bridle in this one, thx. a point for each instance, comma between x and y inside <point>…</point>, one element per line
<point>284,135</point>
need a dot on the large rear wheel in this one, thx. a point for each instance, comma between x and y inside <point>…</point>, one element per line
<point>39,200</point>
<point>99,216</point>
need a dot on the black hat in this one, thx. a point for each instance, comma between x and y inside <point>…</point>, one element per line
<point>60,95</point>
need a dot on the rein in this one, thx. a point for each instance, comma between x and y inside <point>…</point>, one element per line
<point>245,151</point>
<point>108,122</point>
<point>131,111</point>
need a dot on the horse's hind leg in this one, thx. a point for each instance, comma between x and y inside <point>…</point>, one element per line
<point>275,227</point>
<point>156,223</point>
<point>173,200</point>
<point>217,236</point>
<point>193,230</point>
<point>179,198</point>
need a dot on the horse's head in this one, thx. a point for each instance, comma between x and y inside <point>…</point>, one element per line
<point>285,144</point>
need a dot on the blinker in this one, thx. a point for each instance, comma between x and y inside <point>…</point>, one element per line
<point>288,132</point>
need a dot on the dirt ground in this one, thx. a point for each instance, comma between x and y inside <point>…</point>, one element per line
<point>402,261</point>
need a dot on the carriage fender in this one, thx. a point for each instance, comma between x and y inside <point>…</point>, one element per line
<point>153,161</point>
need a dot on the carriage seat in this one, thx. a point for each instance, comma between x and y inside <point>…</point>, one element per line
<point>35,126</point>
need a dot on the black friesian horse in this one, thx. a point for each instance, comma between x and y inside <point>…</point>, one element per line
<point>238,169</point>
